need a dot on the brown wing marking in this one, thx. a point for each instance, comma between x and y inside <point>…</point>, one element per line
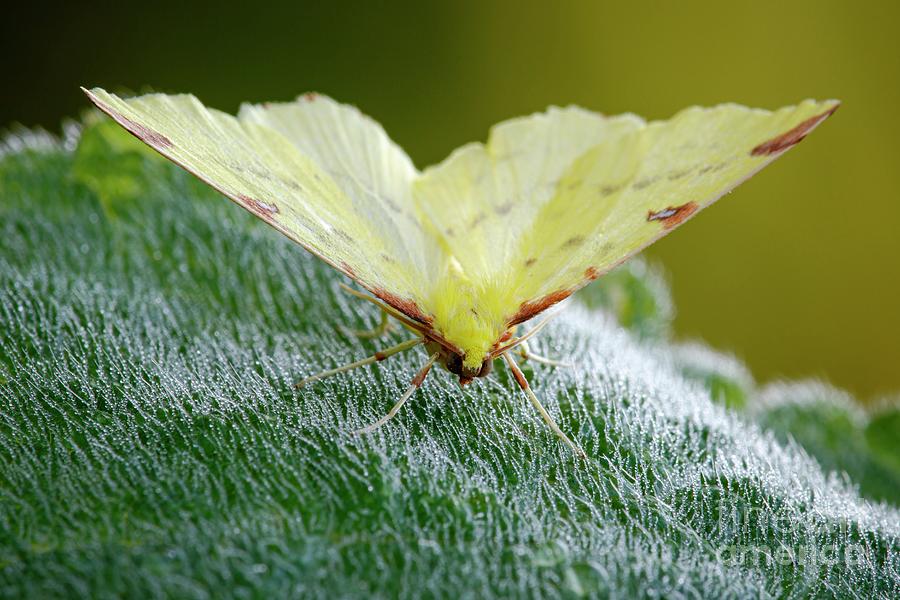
<point>141,132</point>
<point>528,310</point>
<point>263,210</point>
<point>406,306</point>
<point>794,136</point>
<point>673,216</point>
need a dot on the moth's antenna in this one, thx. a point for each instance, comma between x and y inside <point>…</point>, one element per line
<point>426,331</point>
<point>385,307</point>
<point>523,338</point>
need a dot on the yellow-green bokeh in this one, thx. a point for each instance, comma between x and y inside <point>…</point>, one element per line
<point>796,272</point>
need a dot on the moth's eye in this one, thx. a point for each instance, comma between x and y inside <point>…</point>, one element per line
<point>454,364</point>
<point>486,367</point>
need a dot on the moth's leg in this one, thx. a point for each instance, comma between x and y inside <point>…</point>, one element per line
<point>378,356</point>
<point>526,354</point>
<point>384,327</point>
<point>523,383</point>
<point>417,381</point>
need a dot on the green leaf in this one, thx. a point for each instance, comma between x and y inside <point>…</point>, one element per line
<point>882,435</point>
<point>151,443</point>
<point>831,427</point>
<point>728,381</point>
<point>637,295</point>
<point>113,164</point>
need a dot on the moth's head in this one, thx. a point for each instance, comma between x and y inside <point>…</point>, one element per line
<point>466,371</point>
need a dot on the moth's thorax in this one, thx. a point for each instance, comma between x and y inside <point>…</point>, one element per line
<point>468,317</point>
<point>472,335</point>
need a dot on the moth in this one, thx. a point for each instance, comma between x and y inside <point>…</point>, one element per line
<point>463,253</point>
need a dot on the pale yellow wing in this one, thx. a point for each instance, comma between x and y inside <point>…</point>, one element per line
<point>374,172</point>
<point>482,200</point>
<point>485,196</point>
<point>495,234</point>
<point>321,173</point>
<point>625,194</point>
<point>555,200</point>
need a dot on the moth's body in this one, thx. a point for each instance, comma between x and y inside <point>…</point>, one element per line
<point>440,340</point>
<point>463,318</point>
<point>464,252</point>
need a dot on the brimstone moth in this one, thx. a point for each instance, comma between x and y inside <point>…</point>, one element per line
<point>464,252</point>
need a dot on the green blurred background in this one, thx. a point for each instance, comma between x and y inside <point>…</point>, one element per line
<point>796,272</point>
